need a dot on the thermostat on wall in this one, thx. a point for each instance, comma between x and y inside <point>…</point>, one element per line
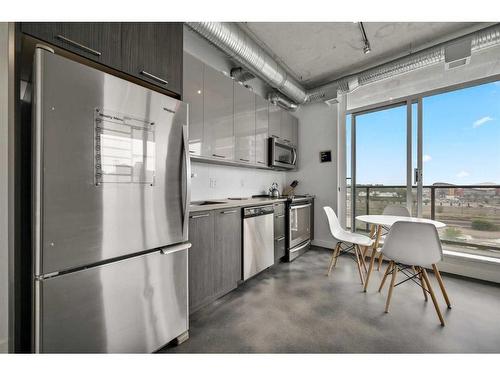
<point>325,156</point>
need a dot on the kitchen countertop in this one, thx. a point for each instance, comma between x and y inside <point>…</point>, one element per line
<point>229,203</point>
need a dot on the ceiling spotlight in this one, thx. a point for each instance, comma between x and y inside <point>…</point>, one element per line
<point>366,47</point>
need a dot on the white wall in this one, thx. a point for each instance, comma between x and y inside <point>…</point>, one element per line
<point>211,181</point>
<point>4,248</point>
<point>317,132</point>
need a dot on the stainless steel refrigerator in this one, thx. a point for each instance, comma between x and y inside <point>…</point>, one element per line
<point>111,195</point>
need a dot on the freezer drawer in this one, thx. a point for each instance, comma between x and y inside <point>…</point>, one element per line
<point>135,305</point>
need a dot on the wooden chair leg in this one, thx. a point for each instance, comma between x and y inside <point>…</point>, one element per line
<point>422,282</point>
<point>365,251</point>
<point>387,270</point>
<point>441,285</point>
<point>370,267</point>
<point>333,259</point>
<point>433,296</point>
<point>380,259</point>
<point>358,263</point>
<point>339,249</point>
<point>363,261</point>
<point>391,288</point>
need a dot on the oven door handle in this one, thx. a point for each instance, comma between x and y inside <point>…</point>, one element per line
<point>294,150</point>
<point>300,247</point>
<point>300,206</point>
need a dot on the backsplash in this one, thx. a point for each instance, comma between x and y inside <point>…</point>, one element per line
<point>211,181</point>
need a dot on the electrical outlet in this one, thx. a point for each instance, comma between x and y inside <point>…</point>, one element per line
<point>213,183</point>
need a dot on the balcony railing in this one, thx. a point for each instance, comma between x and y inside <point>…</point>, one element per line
<point>471,212</point>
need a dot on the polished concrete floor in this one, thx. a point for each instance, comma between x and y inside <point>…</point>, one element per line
<point>296,308</point>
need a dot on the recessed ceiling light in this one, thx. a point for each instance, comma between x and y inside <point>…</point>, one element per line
<point>199,91</point>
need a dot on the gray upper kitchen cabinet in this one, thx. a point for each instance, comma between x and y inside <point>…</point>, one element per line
<point>218,129</point>
<point>201,255</point>
<point>152,51</point>
<point>227,265</point>
<point>261,129</point>
<point>193,95</point>
<point>244,124</point>
<point>286,127</point>
<point>98,41</point>
<point>275,121</point>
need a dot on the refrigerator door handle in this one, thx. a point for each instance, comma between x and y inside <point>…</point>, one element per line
<point>175,248</point>
<point>187,181</point>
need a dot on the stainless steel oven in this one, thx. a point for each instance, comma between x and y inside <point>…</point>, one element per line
<point>282,154</point>
<point>299,227</point>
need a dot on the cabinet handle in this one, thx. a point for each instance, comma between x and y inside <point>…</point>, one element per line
<point>78,45</point>
<point>198,216</point>
<point>192,152</point>
<point>153,77</point>
<point>228,212</point>
<point>280,216</point>
<point>246,160</point>
<point>280,239</point>
<point>261,162</point>
<point>219,156</point>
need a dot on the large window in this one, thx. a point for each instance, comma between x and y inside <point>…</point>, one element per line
<point>461,153</point>
<point>453,139</point>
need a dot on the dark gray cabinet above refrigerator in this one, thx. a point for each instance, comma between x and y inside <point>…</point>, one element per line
<point>149,51</point>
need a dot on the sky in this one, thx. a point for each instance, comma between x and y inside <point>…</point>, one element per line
<point>461,140</point>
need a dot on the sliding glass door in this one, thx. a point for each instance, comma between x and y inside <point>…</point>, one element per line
<point>380,150</point>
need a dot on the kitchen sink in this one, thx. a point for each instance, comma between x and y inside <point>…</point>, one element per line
<point>206,203</point>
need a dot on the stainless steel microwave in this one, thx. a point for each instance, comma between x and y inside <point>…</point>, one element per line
<point>282,154</point>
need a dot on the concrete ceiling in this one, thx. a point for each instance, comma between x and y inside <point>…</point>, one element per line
<point>317,53</point>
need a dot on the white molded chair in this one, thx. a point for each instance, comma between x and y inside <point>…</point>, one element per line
<point>347,242</point>
<point>411,247</point>
<point>394,210</point>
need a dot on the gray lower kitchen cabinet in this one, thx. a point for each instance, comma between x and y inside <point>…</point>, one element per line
<point>201,255</point>
<point>98,41</point>
<point>275,121</point>
<point>152,51</point>
<point>261,130</point>
<point>218,129</point>
<point>228,249</point>
<point>244,124</point>
<point>279,231</point>
<point>215,255</point>
<point>193,95</point>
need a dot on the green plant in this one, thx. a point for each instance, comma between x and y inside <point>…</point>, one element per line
<point>452,232</point>
<point>479,224</point>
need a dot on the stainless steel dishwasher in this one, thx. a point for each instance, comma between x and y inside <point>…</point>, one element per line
<point>258,239</point>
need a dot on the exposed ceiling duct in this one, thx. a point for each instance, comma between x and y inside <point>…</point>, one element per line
<point>235,42</point>
<point>479,40</point>
<point>278,99</point>
<point>231,39</point>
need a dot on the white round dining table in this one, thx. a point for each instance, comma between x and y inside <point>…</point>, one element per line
<point>389,220</point>
<point>378,222</point>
